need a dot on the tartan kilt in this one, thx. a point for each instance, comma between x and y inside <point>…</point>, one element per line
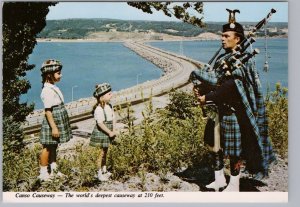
<point>231,135</point>
<point>99,138</point>
<point>61,119</point>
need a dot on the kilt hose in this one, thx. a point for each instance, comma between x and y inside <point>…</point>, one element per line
<point>61,119</point>
<point>99,138</point>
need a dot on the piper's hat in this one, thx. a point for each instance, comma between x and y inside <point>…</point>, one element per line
<point>101,89</point>
<point>232,25</point>
<point>51,65</point>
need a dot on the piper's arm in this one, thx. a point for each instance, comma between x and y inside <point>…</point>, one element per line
<point>227,92</point>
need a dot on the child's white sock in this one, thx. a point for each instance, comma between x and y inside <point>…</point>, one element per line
<point>104,170</point>
<point>44,173</point>
<point>43,170</point>
<point>53,167</point>
<point>99,172</point>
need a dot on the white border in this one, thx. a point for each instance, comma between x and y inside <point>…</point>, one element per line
<point>145,197</point>
<point>294,114</point>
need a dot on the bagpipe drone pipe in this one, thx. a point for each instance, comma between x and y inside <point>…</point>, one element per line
<point>231,61</point>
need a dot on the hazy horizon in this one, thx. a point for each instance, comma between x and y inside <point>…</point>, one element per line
<point>213,11</point>
<point>145,20</point>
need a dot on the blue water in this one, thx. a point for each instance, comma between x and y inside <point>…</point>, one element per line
<point>277,51</point>
<point>86,64</point>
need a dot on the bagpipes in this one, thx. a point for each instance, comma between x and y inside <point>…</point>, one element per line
<point>231,61</point>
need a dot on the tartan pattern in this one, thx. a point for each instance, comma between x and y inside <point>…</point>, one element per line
<point>101,89</point>
<point>230,131</point>
<point>61,119</point>
<point>51,65</point>
<point>252,99</point>
<point>209,76</point>
<point>249,87</point>
<point>99,138</point>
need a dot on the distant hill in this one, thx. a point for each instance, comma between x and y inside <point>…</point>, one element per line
<point>82,28</point>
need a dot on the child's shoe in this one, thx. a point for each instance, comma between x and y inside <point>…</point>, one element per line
<point>108,174</point>
<point>54,170</point>
<point>57,174</point>
<point>102,177</point>
<point>105,172</point>
<point>44,175</point>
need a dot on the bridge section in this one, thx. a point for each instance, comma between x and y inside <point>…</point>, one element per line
<point>176,69</point>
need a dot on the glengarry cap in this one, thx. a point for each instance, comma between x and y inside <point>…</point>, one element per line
<point>101,89</point>
<point>50,66</point>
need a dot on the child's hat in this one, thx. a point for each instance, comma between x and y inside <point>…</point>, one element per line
<point>51,65</point>
<point>101,89</point>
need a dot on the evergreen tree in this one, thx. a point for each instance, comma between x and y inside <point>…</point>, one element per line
<point>22,21</point>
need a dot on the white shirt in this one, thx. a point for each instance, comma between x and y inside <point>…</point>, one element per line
<point>50,97</point>
<point>99,114</point>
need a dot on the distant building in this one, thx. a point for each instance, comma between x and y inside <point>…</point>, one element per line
<point>271,30</point>
<point>284,30</point>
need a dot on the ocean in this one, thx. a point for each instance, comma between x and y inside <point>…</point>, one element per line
<point>277,57</point>
<point>87,63</point>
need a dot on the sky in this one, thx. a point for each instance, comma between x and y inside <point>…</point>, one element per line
<point>213,11</point>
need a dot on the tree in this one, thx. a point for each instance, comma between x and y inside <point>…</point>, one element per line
<point>180,12</point>
<point>22,21</point>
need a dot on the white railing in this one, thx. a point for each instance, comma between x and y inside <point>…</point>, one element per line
<point>177,69</point>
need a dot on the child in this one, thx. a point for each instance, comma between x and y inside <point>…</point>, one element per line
<point>103,132</point>
<point>56,126</point>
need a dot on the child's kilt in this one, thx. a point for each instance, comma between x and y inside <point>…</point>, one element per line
<point>99,138</point>
<point>61,119</point>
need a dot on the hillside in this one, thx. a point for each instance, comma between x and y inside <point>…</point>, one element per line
<point>91,28</point>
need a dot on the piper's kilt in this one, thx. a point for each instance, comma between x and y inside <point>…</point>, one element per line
<point>231,133</point>
<point>99,138</point>
<point>61,119</point>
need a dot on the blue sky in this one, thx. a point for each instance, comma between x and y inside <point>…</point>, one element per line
<point>213,11</point>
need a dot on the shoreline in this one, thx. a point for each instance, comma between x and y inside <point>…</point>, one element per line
<point>122,41</point>
<point>119,37</point>
<point>118,41</point>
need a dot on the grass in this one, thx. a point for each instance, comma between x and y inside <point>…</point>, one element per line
<point>165,141</point>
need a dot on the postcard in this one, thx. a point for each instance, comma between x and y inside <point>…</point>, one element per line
<point>153,102</point>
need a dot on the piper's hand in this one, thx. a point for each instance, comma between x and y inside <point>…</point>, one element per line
<point>55,133</point>
<point>196,92</point>
<point>197,95</point>
<point>202,100</point>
